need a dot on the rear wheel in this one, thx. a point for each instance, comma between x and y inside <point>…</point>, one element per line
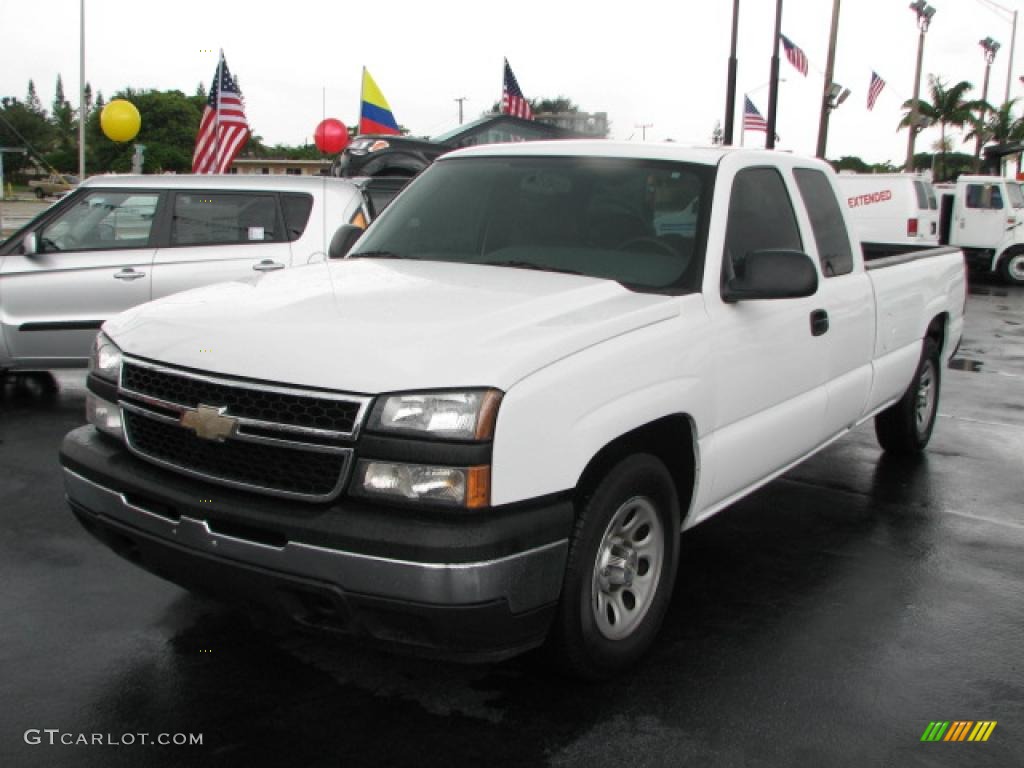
<point>1011,266</point>
<point>40,193</point>
<point>620,571</point>
<point>906,426</point>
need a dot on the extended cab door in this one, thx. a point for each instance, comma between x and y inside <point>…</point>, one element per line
<point>845,301</point>
<point>980,215</point>
<point>94,259</point>
<point>216,236</point>
<point>770,369</point>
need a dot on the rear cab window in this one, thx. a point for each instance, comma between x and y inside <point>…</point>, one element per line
<point>296,207</point>
<point>827,223</point>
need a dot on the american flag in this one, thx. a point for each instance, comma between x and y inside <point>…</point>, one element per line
<point>752,119</point>
<point>796,56</point>
<point>223,130</point>
<point>512,101</point>
<point>877,84</point>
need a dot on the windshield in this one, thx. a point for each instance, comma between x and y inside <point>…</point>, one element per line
<point>1014,194</point>
<point>641,223</point>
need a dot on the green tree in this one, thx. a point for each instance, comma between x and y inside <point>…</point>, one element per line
<point>63,153</point>
<point>24,126</point>
<point>948,107</point>
<point>32,102</point>
<point>170,120</point>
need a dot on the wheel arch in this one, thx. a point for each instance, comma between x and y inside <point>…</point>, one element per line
<point>672,439</point>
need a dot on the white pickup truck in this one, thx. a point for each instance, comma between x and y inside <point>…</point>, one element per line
<point>487,424</point>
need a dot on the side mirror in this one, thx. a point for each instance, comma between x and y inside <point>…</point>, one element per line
<point>343,240</point>
<point>29,244</point>
<point>772,275</point>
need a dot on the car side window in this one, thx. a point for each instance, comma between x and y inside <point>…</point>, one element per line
<point>217,218</point>
<point>984,196</point>
<point>102,221</point>
<point>827,223</point>
<point>761,218</point>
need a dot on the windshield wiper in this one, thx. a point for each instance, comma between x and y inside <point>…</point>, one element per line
<point>531,265</point>
<point>379,255</point>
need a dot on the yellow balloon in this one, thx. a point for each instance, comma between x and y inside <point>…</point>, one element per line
<point>120,120</point>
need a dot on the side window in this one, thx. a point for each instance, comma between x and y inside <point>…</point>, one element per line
<point>102,221</point>
<point>296,207</point>
<point>209,218</point>
<point>760,218</point>
<point>922,196</point>
<point>827,222</point>
<point>985,196</point>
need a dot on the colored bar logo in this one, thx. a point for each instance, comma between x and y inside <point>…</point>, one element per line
<point>958,730</point>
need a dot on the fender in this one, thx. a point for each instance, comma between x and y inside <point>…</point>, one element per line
<point>543,441</point>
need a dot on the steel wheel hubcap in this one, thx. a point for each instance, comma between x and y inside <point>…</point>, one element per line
<point>627,568</point>
<point>925,397</point>
<point>1017,267</point>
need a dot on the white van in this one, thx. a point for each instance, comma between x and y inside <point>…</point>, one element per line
<point>119,241</point>
<point>892,208</point>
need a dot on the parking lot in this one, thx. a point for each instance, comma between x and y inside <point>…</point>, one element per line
<point>825,620</point>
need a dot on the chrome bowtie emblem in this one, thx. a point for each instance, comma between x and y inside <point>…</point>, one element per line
<point>209,423</point>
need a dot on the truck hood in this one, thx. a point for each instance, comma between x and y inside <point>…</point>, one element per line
<point>372,325</point>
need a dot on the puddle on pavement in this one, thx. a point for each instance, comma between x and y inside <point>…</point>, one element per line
<point>965,364</point>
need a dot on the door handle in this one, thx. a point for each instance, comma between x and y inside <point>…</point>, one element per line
<point>268,266</point>
<point>819,322</point>
<point>128,274</point>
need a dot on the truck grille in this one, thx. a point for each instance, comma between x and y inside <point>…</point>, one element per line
<point>266,403</point>
<point>270,439</point>
<point>252,465</point>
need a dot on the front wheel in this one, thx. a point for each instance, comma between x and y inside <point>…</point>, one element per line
<point>1011,267</point>
<point>40,193</point>
<point>621,570</point>
<point>906,427</point>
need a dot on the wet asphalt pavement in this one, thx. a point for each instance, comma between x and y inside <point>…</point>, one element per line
<point>823,621</point>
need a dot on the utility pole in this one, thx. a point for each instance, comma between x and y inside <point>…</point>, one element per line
<point>773,89</point>
<point>643,129</point>
<point>1011,16</point>
<point>924,13</point>
<point>461,99</point>
<point>826,96</point>
<point>989,48</point>
<point>730,86</point>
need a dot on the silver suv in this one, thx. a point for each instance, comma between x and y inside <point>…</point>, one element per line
<point>118,241</point>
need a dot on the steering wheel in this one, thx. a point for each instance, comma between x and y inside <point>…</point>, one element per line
<point>646,241</point>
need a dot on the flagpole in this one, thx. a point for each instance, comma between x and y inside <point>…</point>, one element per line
<point>773,91</point>
<point>730,88</point>
<point>362,95</point>
<point>826,96</point>
<point>216,115</point>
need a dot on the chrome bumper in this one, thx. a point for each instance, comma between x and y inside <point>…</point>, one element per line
<point>526,580</point>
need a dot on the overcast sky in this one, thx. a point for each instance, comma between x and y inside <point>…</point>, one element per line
<point>662,63</point>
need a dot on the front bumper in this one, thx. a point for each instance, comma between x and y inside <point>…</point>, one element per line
<point>463,584</point>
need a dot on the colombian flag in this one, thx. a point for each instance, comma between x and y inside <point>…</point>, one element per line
<point>375,114</point>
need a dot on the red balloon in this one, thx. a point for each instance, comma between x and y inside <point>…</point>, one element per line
<point>331,136</point>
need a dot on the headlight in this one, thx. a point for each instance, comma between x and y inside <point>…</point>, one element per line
<point>105,360</point>
<point>105,416</point>
<point>467,415</point>
<point>457,486</point>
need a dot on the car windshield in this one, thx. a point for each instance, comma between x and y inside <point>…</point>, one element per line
<point>641,223</point>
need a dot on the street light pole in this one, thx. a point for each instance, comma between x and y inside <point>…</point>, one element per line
<point>989,47</point>
<point>924,17</point>
<point>730,86</point>
<point>461,99</point>
<point>826,96</point>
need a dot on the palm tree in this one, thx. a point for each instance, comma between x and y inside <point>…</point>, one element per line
<point>1001,127</point>
<point>947,107</point>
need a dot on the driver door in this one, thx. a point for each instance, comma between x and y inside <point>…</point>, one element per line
<point>93,260</point>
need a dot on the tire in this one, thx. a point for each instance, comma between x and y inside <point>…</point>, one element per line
<point>620,571</point>
<point>1011,266</point>
<point>40,193</point>
<point>906,427</point>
